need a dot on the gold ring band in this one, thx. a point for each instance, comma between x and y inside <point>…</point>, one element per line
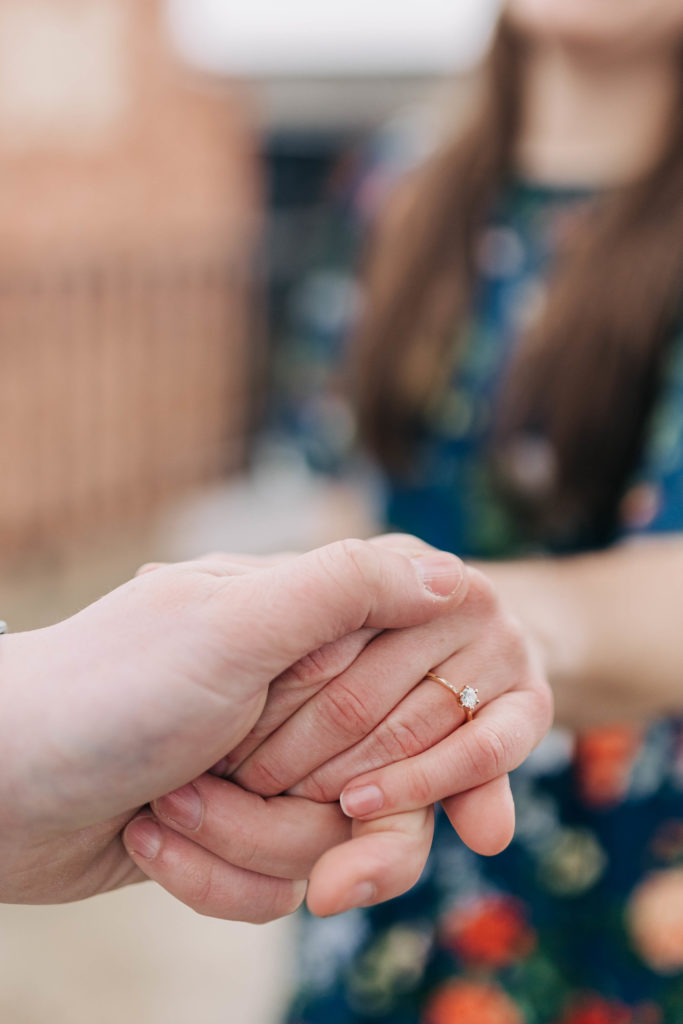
<point>467,697</point>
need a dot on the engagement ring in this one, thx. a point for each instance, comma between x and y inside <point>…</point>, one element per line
<point>467,696</point>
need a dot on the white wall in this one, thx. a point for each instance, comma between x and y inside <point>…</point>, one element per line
<point>327,38</point>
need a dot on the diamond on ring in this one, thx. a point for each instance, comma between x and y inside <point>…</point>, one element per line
<point>468,698</point>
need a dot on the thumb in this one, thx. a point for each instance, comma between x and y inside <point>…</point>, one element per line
<point>296,607</point>
<point>382,860</point>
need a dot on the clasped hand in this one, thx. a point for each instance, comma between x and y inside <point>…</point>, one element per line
<point>302,682</point>
<point>356,720</point>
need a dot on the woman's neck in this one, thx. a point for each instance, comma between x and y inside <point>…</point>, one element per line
<point>590,121</point>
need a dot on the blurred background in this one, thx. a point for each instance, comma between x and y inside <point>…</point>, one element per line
<point>174,182</point>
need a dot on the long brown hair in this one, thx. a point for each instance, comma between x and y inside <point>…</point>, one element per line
<point>586,373</point>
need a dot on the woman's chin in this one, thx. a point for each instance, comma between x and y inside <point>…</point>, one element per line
<point>608,25</point>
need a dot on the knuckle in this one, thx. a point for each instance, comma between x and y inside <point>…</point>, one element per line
<point>244,849</point>
<point>357,551</point>
<point>399,739</point>
<point>204,897</point>
<point>419,786</point>
<point>489,754</point>
<point>260,776</point>
<point>314,668</point>
<point>360,555</point>
<point>344,711</point>
<point>315,788</point>
<point>353,566</point>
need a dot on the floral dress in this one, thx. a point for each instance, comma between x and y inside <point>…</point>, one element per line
<point>580,920</point>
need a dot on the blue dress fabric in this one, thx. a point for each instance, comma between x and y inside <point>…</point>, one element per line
<point>580,920</point>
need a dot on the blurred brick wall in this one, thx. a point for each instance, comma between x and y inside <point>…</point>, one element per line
<point>129,203</point>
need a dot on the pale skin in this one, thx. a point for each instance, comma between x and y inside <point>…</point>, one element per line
<point>359,704</point>
<point>142,692</point>
<point>594,118</point>
<point>600,91</point>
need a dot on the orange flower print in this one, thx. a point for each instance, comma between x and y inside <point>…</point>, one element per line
<point>468,1002</point>
<point>604,759</point>
<point>655,920</point>
<point>595,1010</point>
<point>491,932</point>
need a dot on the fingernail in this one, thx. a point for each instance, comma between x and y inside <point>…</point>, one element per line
<point>143,837</point>
<point>440,573</point>
<point>362,895</point>
<point>183,806</point>
<point>362,800</point>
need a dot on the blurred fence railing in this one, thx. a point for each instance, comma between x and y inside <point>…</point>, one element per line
<point>123,382</point>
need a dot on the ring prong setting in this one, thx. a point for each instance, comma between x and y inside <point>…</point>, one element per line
<point>468,698</point>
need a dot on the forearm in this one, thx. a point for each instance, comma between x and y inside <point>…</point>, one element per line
<point>608,627</point>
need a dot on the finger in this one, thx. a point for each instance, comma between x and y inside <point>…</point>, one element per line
<point>354,704</point>
<point>282,837</point>
<point>203,881</point>
<point>343,712</point>
<point>428,714</point>
<point>501,736</point>
<point>319,597</point>
<point>383,859</point>
<point>294,687</point>
<point>484,817</point>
